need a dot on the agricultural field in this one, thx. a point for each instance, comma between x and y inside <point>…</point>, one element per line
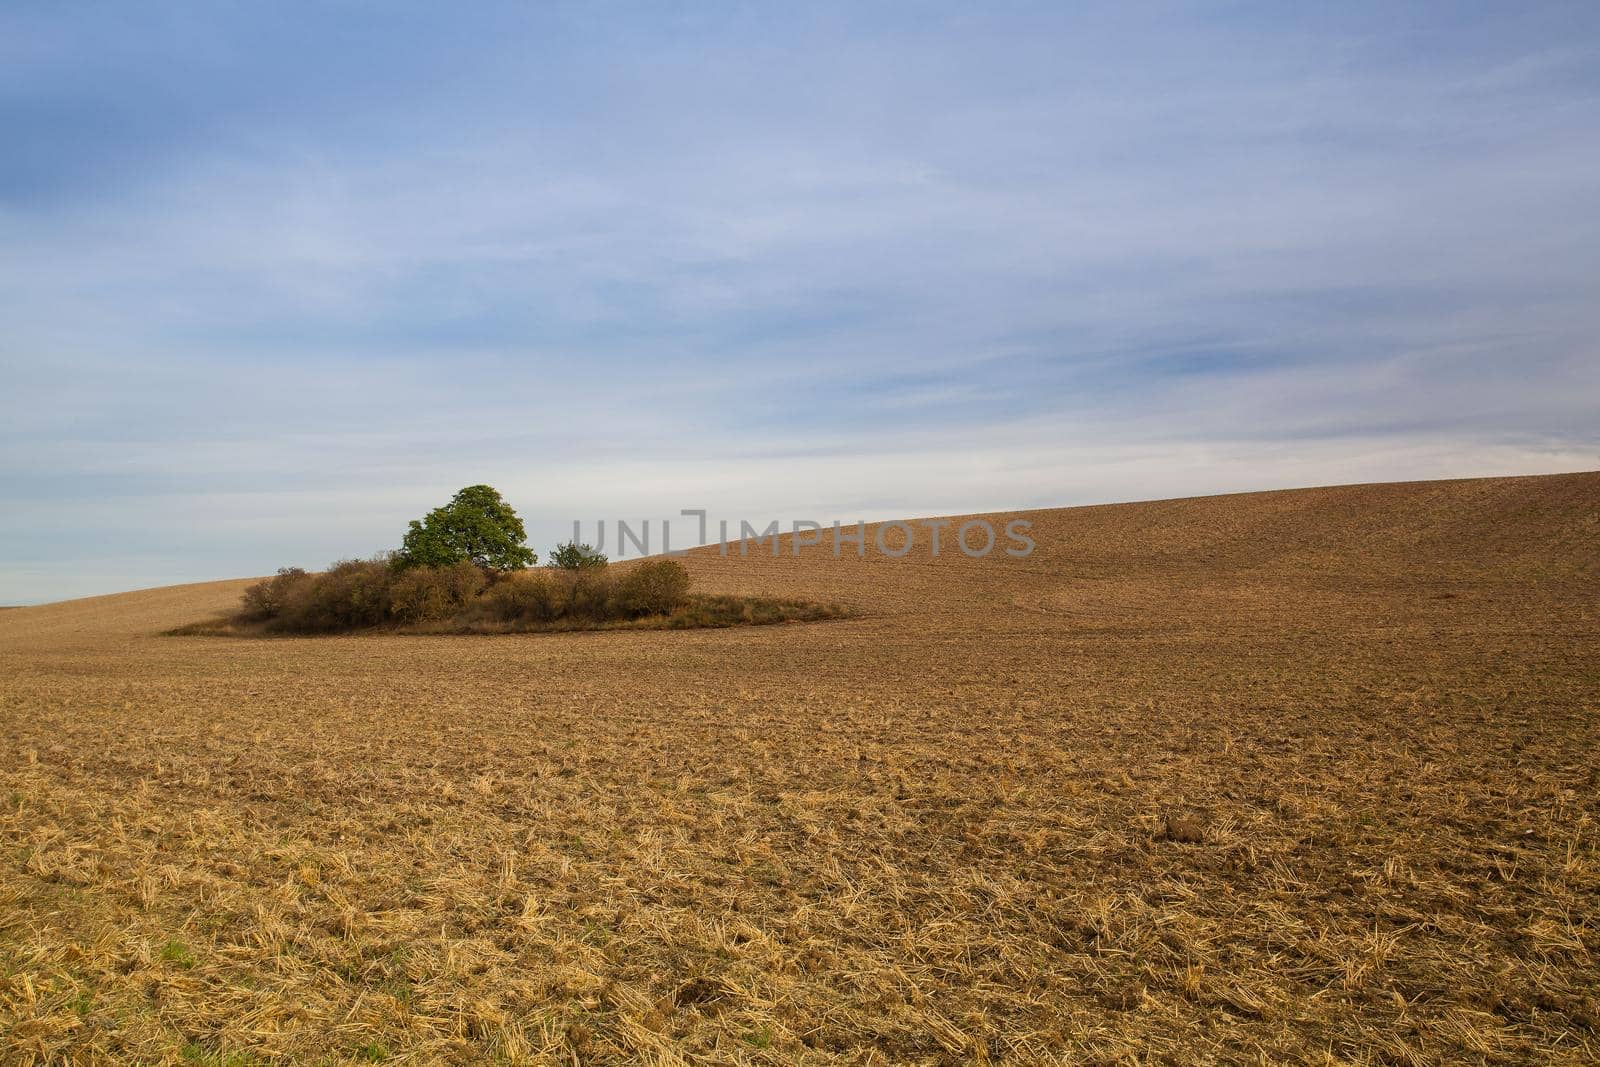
<point>1303,777</point>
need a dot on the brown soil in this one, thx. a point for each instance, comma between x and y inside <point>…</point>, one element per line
<point>1283,777</point>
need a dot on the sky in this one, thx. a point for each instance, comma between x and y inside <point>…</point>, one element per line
<point>277,278</point>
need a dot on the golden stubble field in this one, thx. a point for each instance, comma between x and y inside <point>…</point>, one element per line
<point>1286,777</point>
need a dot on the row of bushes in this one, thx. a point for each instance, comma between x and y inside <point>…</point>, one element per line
<point>655,587</point>
<point>358,594</point>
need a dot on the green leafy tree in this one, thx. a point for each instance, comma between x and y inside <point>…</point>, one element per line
<point>477,526</point>
<point>576,557</point>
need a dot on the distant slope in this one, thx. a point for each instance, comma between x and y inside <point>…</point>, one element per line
<point>136,612</point>
<point>1540,526</point>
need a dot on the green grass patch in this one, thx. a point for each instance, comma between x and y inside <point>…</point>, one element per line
<point>177,954</point>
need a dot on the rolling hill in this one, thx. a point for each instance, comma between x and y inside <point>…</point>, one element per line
<point>1298,776</point>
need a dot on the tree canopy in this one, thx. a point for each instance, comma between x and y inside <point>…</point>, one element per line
<point>575,557</point>
<point>477,526</point>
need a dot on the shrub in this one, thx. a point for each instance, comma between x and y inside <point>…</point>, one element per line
<point>655,587</point>
<point>526,597</point>
<point>431,594</point>
<point>575,557</point>
<point>350,594</point>
<point>583,593</point>
<point>266,599</point>
<point>358,594</point>
<point>477,526</point>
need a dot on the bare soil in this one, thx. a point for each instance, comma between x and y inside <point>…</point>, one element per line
<point>1298,776</point>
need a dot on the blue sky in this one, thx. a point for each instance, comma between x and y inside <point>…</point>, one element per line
<point>276,278</point>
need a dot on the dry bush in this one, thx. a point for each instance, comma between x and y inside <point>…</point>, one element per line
<point>266,599</point>
<point>548,595</point>
<point>654,587</point>
<point>363,594</point>
<point>525,597</point>
<point>431,594</point>
<point>349,595</point>
<point>652,595</point>
<point>584,593</point>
